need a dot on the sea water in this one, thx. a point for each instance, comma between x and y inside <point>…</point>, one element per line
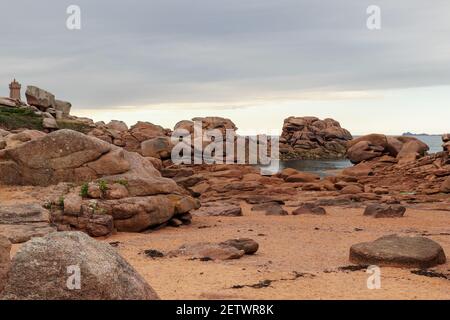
<point>330,167</point>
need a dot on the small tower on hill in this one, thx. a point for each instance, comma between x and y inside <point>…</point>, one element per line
<point>14,90</point>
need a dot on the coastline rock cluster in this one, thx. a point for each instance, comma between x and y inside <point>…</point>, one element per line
<point>120,179</point>
<point>311,138</point>
<point>401,149</point>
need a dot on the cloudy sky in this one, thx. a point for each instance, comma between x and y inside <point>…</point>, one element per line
<point>255,61</point>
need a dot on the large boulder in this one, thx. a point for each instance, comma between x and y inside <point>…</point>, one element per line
<point>47,269</point>
<point>70,156</point>
<point>7,102</point>
<point>63,106</point>
<point>209,123</point>
<point>145,130</point>
<point>160,148</point>
<point>312,138</point>
<point>398,251</point>
<point>363,150</point>
<point>5,248</point>
<point>21,222</point>
<point>411,150</point>
<point>117,125</point>
<point>40,98</point>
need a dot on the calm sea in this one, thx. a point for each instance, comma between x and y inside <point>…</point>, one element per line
<point>326,167</point>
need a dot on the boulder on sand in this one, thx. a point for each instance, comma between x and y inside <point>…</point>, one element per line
<point>73,266</point>
<point>398,251</point>
<point>208,251</point>
<point>385,211</point>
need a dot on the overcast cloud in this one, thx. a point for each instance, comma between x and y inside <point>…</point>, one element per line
<point>188,51</point>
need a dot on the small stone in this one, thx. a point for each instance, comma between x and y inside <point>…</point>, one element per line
<point>153,253</point>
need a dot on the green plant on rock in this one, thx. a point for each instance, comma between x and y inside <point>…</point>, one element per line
<point>84,190</point>
<point>123,182</point>
<point>103,185</point>
<point>61,202</point>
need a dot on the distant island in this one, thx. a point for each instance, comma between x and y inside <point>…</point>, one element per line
<point>419,134</point>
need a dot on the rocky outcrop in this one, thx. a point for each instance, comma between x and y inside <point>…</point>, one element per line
<point>133,139</point>
<point>73,266</point>
<point>398,251</point>
<point>312,138</point>
<point>5,248</point>
<point>68,156</point>
<point>372,146</point>
<point>129,194</point>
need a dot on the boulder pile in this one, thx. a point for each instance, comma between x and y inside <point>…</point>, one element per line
<point>312,138</point>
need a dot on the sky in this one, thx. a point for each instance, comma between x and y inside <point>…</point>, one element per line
<point>254,61</point>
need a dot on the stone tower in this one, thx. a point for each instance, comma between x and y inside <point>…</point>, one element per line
<point>14,90</point>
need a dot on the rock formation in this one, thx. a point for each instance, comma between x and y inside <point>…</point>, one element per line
<point>403,149</point>
<point>128,193</point>
<point>47,268</point>
<point>312,138</point>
